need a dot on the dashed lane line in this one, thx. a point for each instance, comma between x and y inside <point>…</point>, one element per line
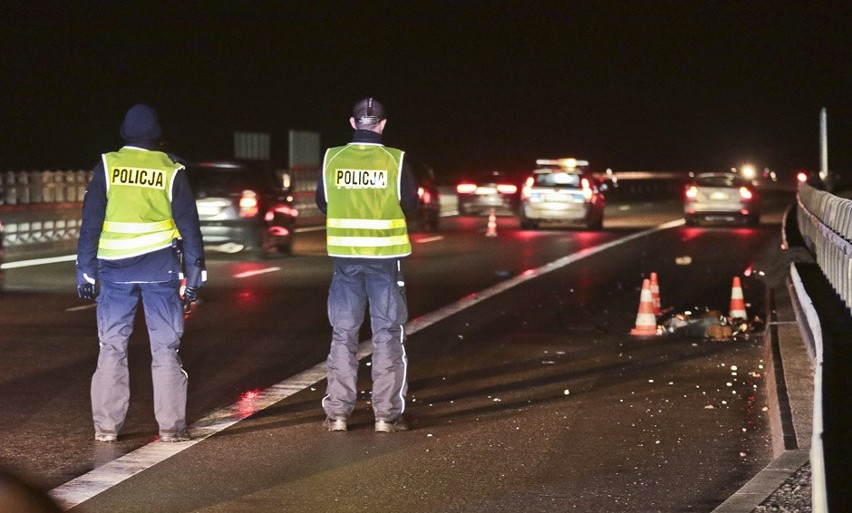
<point>248,274</point>
<point>88,485</point>
<point>38,261</point>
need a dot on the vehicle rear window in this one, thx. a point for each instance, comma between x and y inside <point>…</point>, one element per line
<point>213,180</point>
<point>557,179</point>
<point>718,181</point>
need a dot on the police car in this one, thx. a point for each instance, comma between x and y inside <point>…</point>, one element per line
<point>562,191</point>
<point>243,206</point>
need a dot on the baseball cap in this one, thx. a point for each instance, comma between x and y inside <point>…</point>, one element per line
<point>368,112</point>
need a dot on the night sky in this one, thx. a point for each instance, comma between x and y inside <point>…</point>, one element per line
<point>628,85</point>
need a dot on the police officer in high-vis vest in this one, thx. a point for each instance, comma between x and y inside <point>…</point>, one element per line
<point>136,210</point>
<point>365,190</point>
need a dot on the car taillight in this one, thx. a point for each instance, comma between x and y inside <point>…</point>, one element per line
<point>248,204</point>
<point>466,188</point>
<point>587,189</point>
<point>691,192</point>
<point>526,191</point>
<point>745,193</point>
<point>424,195</point>
<point>801,177</point>
<point>507,188</point>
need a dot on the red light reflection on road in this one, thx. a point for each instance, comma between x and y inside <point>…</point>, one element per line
<point>247,405</point>
<point>246,299</point>
<point>690,233</point>
<point>588,239</point>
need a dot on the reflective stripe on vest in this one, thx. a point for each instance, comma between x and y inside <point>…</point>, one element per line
<point>367,224</point>
<point>138,217</point>
<point>118,227</point>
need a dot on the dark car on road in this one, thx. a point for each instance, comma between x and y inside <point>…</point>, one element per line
<point>562,191</point>
<point>243,206</point>
<point>720,198</point>
<point>481,193</point>
<point>428,215</point>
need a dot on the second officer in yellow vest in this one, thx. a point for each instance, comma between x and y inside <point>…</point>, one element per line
<point>365,190</point>
<point>136,205</point>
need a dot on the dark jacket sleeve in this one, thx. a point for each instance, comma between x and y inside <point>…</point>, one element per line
<point>322,203</point>
<point>185,214</point>
<point>408,198</point>
<point>94,212</point>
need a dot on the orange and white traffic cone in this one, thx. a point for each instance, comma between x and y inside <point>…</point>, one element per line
<point>738,309</point>
<point>655,294</point>
<point>492,224</point>
<point>646,321</point>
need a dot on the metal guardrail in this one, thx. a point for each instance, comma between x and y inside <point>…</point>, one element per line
<point>825,222</point>
<point>41,211</point>
<point>32,187</point>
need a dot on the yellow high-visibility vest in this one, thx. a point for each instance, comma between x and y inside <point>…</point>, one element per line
<point>139,203</point>
<point>362,188</point>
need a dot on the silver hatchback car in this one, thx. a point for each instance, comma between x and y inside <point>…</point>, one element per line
<point>720,198</point>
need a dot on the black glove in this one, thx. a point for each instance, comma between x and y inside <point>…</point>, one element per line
<point>190,295</point>
<point>86,285</point>
<point>86,291</point>
<point>195,279</point>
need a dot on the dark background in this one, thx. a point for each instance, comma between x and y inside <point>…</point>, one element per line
<point>630,85</point>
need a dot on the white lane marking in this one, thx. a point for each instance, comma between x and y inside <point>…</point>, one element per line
<point>310,229</point>
<point>419,323</point>
<point>38,261</point>
<point>429,239</point>
<point>79,308</point>
<point>105,477</point>
<point>265,270</point>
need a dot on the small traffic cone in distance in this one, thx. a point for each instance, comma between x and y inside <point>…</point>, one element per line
<point>646,321</point>
<point>492,224</point>
<point>738,309</point>
<point>655,294</point>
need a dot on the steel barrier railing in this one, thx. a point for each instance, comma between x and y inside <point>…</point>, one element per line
<point>34,187</point>
<point>825,222</point>
<point>40,211</point>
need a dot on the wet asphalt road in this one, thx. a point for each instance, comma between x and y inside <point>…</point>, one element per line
<point>535,399</point>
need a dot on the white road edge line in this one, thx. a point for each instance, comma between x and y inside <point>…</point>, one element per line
<point>96,481</point>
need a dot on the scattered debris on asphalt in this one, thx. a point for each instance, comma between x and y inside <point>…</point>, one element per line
<point>711,324</point>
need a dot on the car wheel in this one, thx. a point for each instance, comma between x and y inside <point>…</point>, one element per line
<point>595,224</point>
<point>259,251</point>
<point>528,224</point>
<point>434,221</point>
<point>285,248</point>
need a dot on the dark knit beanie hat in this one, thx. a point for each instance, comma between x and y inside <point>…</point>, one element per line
<point>140,125</point>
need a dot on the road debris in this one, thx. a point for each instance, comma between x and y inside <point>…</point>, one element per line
<point>711,324</point>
